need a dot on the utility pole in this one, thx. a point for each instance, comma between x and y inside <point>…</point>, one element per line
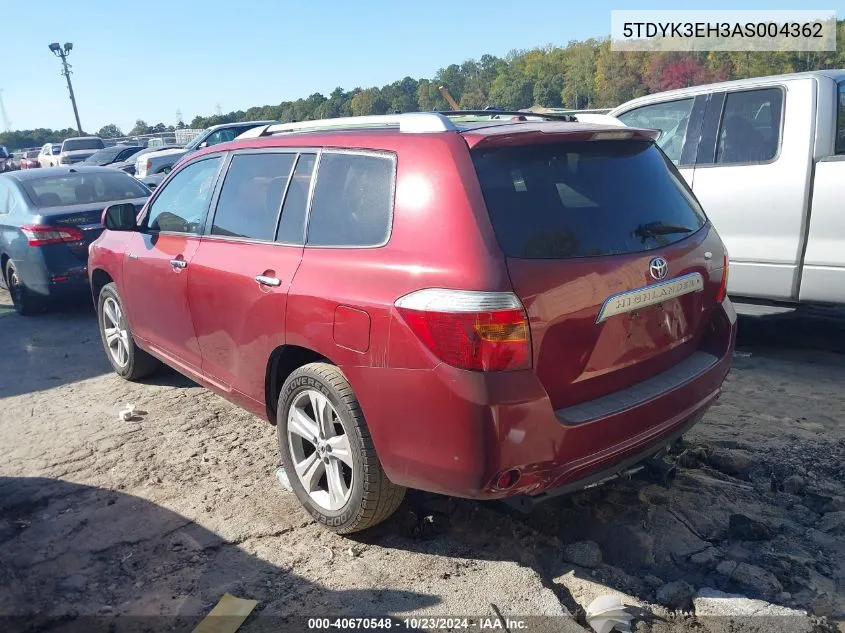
<point>62,54</point>
<point>6,124</point>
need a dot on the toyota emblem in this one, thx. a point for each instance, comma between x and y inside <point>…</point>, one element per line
<point>658,268</point>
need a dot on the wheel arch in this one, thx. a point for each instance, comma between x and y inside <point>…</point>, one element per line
<point>99,278</point>
<point>283,361</point>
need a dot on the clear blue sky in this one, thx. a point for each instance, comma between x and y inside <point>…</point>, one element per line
<point>146,59</point>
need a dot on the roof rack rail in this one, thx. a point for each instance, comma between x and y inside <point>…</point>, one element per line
<point>492,112</point>
<point>412,122</point>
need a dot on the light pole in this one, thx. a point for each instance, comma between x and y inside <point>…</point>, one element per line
<point>62,54</point>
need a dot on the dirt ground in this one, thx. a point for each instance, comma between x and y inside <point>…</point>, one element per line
<point>160,516</point>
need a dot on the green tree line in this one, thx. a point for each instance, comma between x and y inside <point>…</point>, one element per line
<point>582,74</point>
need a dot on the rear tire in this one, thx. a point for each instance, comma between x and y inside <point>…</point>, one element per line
<point>127,359</point>
<point>24,300</point>
<point>332,446</point>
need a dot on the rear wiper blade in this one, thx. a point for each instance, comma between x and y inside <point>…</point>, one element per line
<point>653,229</point>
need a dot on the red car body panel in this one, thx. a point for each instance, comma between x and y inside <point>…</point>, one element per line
<point>435,427</point>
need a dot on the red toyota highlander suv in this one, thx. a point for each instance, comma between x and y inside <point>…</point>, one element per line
<point>475,306</point>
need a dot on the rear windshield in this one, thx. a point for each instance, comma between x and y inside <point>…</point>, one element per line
<point>583,199</point>
<point>73,144</point>
<point>83,188</point>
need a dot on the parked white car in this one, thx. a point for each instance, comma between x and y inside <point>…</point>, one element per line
<point>49,155</point>
<point>76,149</point>
<point>766,159</point>
<point>159,163</point>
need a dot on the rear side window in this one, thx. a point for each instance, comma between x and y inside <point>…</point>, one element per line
<point>353,200</point>
<point>292,223</point>
<point>583,199</point>
<point>251,196</point>
<point>840,119</point>
<point>750,128</point>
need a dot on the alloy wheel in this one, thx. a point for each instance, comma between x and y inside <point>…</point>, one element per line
<point>320,450</point>
<point>116,334</point>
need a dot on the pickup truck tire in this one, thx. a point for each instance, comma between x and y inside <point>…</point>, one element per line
<point>23,299</point>
<point>317,401</point>
<point>127,359</point>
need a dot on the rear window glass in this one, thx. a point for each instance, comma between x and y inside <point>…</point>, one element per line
<point>73,144</point>
<point>83,188</point>
<point>583,199</point>
<point>353,200</point>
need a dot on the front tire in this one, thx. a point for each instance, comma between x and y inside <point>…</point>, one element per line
<point>127,359</point>
<point>328,453</point>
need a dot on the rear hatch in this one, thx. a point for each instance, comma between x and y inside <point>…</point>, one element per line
<point>608,251</point>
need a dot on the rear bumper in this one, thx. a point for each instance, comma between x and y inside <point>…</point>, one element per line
<point>58,275</point>
<point>455,432</point>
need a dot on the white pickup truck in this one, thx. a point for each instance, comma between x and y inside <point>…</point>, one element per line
<point>766,159</point>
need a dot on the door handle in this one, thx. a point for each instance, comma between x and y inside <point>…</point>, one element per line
<point>178,263</point>
<point>268,281</point>
<point>133,256</point>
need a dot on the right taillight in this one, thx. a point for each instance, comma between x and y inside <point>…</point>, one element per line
<point>40,235</point>
<point>723,286</point>
<point>480,331</point>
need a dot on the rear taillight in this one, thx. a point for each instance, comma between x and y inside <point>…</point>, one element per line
<point>481,331</point>
<point>723,286</point>
<point>38,235</point>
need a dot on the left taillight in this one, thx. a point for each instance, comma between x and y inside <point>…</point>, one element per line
<point>40,235</point>
<point>479,331</point>
<point>723,286</point>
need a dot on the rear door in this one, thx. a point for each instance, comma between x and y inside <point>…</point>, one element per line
<point>610,254</point>
<point>243,268</point>
<point>155,270</point>
<point>752,176</point>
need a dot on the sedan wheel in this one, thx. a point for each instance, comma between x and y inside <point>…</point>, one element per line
<point>23,300</point>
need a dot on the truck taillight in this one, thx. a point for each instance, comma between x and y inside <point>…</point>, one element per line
<point>480,331</point>
<point>39,235</point>
<point>723,286</point>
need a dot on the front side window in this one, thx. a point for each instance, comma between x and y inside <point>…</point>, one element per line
<point>671,118</point>
<point>251,196</point>
<point>353,200</point>
<point>182,202</point>
<point>222,136</point>
<point>750,127</point>
<point>840,119</point>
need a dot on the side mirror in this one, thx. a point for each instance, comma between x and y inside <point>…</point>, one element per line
<point>120,217</point>
<point>202,145</point>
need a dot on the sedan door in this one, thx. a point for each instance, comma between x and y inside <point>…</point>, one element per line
<point>240,276</point>
<point>155,271</point>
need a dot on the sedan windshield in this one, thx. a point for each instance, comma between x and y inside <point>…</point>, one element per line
<point>104,156</point>
<point>83,188</point>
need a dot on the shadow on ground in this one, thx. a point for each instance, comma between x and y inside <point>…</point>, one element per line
<point>56,348</point>
<point>73,557</point>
